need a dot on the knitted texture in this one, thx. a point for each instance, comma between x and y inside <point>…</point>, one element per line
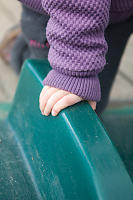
<point>77,52</point>
<point>120,10</point>
<point>75,32</point>
<point>35,5</point>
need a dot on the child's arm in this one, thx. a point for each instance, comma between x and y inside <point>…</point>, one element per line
<point>75,33</point>
<point>77,52</point>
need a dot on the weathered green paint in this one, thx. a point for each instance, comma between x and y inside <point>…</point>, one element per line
<point>15,179</point>
<point>68,157</point>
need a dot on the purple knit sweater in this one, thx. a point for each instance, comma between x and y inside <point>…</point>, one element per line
<point>75,32</point>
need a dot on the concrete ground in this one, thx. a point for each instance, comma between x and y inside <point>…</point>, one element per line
<point>122,88</point>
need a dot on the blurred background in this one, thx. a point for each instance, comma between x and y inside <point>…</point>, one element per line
<point>122,91</point>
<point>10,15</point>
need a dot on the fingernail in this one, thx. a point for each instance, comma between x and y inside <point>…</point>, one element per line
<point>54,113</point>
<point>45,113</point>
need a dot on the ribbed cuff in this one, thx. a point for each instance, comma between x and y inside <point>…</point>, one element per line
<point>88,88</point>
<point>35,5</point>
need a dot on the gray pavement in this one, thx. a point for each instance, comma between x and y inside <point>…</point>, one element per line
<point>122,89</point>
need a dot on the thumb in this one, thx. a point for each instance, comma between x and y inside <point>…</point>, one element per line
<point>93,104</point>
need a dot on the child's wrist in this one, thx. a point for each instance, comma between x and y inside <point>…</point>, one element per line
<point>87,88</point>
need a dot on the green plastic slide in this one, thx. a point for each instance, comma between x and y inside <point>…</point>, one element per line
<point>68,157</point>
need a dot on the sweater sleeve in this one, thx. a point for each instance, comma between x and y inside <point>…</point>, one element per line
<point>35,5</point>
<point>75,32</point>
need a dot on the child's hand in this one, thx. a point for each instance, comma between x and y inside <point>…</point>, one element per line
<point>54,100</point>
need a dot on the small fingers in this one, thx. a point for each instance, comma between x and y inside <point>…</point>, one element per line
<point>45,88</point>
<point>46,94</point>
<point>53,100</point>
<point>66,101</point>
